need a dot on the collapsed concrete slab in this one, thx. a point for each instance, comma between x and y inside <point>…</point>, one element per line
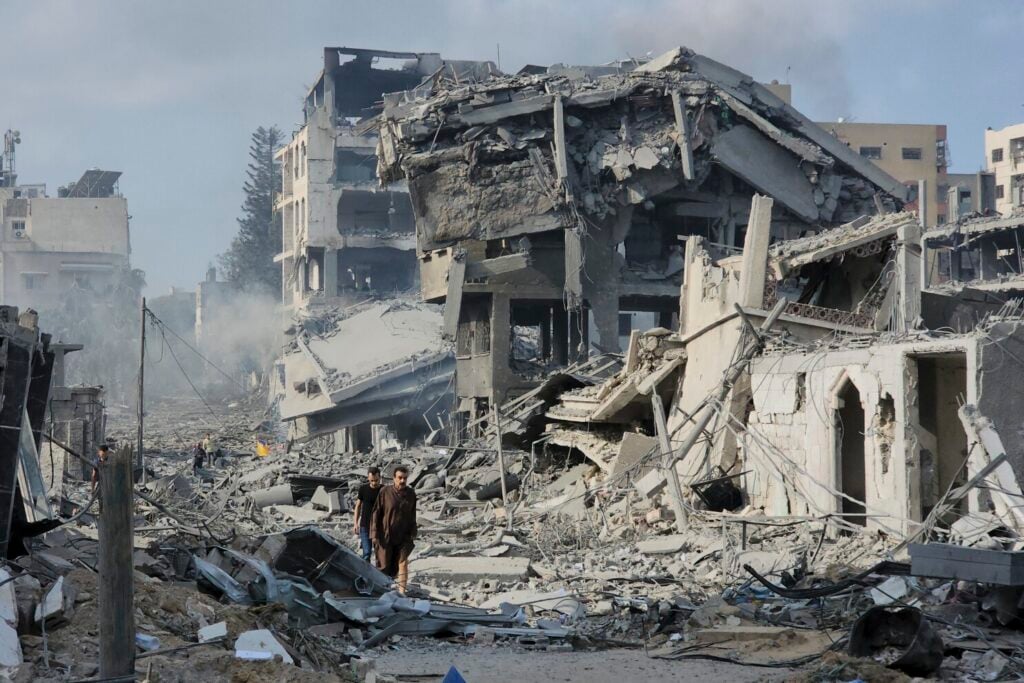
<point>552,203</point>
<point>472,568</point>
<point>374,363</point>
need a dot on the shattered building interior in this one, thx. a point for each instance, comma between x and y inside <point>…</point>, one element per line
<point>550,205</point>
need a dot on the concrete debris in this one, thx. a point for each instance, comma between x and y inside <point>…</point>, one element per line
<point>699,385</point>
<point>213,632</point>
<point>260,644</point>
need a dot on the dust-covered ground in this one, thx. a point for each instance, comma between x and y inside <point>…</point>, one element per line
<point>500,664</point>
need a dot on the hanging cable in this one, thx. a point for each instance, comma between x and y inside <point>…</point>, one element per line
<point>163,326</point>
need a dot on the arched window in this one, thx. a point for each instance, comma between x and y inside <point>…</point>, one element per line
<point>303,162</point>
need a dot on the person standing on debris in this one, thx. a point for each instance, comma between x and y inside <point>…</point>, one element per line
<point>365,500</point>
<point>393,527</point>
<point>101,457</point>
<point>198,457</point>
<point>210,446</point>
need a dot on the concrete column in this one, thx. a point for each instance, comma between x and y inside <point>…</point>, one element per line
<point>501,351</point>
<point>330,272</point>
<point>755,252</point>
<point>909,259</point>
<point>605,309</point>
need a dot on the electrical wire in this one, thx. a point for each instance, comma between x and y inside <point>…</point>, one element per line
<point>163,326</point>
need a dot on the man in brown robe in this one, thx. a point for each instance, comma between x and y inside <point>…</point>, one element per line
<point>393,527</point>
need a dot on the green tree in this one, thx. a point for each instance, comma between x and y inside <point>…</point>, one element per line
<point>249,261</point>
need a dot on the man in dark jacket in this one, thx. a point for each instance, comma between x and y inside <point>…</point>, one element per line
<point>393,527</point>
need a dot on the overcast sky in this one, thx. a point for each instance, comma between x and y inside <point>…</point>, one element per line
<point>169,92</point>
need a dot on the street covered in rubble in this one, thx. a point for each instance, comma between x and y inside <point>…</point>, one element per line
<point>660,379</point>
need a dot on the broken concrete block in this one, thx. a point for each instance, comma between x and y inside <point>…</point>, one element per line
<point>271,548</point>
<point>213,632</point>
<point>298,514</point>
<point>632,448</point>
<point>58,602</point>
<point>327,500</point>
<point>472,568</point>
<point>260,644</point>
<point>659,514</point>
<point>53,562</point>
<point>492,489</point>
<point>483,635</point>
<point>8,599</point>
<point>10,646</point>
<point>275,495</point>
<point>651,483</point>
<point>663,545</point>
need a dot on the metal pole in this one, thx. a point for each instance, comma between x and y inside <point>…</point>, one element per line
<point>501,468</point>
<point>139,459</point>
<point>116,590</point>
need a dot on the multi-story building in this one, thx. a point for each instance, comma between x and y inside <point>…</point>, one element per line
<point>343,236</point>
<point>970,193</point>
<point>1004,156</point>
<point>908,152</point>
<point>49,245</point>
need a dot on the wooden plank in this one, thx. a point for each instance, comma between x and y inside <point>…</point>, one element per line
<point>116,590</point>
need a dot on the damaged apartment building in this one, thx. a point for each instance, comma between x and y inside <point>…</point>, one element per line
<point>555,205</point>
<point>799,363</point>
<point>362,349</point>
<point>48,245</point>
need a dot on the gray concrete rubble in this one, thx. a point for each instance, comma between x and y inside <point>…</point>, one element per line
<point>374,362</point>
<point>699,388</point>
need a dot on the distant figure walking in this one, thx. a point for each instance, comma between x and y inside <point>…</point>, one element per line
<point>212,451</point>
<point>365,502</point>
<point>393,527</point>
<point>198,457</point>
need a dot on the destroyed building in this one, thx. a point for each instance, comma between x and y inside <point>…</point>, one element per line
<point>346,241</point>
<point>552,205</point>
<point>345,238</point>
<point>977,252</point>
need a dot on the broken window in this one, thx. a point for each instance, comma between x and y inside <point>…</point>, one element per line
<point>625,324</point>
<point>941,386</point>
<point>352,167</point>
<point>33,280</point>
<point>1017,150</point>
<point>871,152</point>
<point>473,336</point>
<point>849,422</point>
<point>367,212</point>
<point>1000,193</point>
<point>909,153</point>
<point>997,155</point>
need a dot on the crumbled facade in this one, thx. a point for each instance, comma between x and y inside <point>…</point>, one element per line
<point>348,242</point>
<point>344,237</point>
<point>552,205</point>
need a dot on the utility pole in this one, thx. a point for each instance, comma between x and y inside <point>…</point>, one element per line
<point>139,460</point>
<point>116,589</point>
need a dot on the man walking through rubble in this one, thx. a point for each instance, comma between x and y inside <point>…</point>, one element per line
<point>393,527</point>
<point>365,500</point>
